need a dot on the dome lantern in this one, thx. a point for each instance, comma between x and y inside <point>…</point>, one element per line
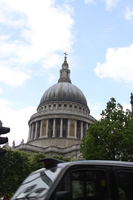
<point>65,72</point>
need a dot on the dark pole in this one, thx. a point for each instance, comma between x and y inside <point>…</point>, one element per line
<point>131,101</point>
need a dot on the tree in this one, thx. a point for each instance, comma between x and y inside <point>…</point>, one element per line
<point>110,138</point>
<point>15,166</point>
<point>65,159</point>
<point>35,162</point>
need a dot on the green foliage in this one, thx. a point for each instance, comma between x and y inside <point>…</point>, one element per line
<point>65,159</point>
<point>15,166</point>
<point>110,138</point>
<point>35,162</point>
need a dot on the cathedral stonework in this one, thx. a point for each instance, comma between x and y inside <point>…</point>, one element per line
<point>61,120</point>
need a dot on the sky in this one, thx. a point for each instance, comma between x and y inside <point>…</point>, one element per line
<point>34,34</point>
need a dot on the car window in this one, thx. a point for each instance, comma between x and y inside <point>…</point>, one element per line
<point>36,183</point>
<point>125,185</point>
<point>86,184</point>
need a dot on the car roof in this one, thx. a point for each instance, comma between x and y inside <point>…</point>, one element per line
<point>98,163</point>
<point>62,164</point>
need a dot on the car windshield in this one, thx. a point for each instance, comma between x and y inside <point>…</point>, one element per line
<point>36,183</point>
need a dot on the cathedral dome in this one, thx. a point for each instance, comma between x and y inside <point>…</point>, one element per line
<point>64,91</point>
<point>61,120</point>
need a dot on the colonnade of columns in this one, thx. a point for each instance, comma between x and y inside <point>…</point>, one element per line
<point>63,128</point>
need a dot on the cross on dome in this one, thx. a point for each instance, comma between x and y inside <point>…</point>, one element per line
<point>65,58</point>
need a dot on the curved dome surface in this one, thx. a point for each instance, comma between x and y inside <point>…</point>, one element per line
<point>64,91</point>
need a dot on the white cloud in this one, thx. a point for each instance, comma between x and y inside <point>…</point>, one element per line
<point>118,65</point>
<point>12,76</point>
<point>89,1</point>
<point>97,116</point>
<point>51,61</point>
<point>126,107</point>
<point>111,3</point>
<point>32,32</point>
<point>16,120</point>
<point>95,109</point>
<point>51,78</point>
<point>0,91</point>
<point>37,29</point>
<point>129,14</point>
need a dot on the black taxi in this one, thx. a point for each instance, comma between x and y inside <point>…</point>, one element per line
<point>79,180</point>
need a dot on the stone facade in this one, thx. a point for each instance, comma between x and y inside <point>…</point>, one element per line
<point>61,120</point>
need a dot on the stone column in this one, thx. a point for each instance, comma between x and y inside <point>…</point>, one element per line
<point>61,127</point>
<point>53,128</point>
<point>32,131</point>
<point>47,128</point>
<point>29,134</point>
<point>40,129</point>
<point>81,130</point>
<point>75,129</point>
<point>36,127</point>
<point>86,125</point>
<point>68,128</point>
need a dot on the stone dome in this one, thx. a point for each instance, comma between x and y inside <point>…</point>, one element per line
<point>61,120</point>
<point>63,91</point>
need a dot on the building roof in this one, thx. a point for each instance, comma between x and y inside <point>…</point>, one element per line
<point>64,90</point>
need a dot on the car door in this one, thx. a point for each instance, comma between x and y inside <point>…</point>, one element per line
<point>124,178</point>
<point>82,183</point>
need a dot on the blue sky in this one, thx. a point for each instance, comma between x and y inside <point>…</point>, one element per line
<point>34,34</point>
